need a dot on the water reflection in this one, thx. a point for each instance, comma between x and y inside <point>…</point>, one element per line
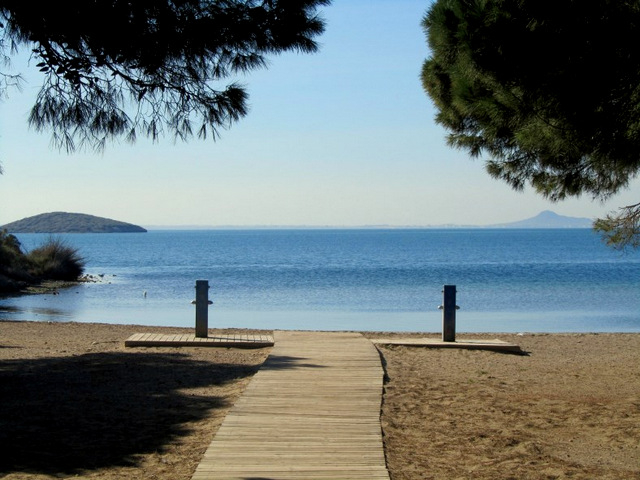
<point>61,305</point>
<point>47,314</point>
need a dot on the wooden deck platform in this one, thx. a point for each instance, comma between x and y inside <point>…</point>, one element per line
<point>190,340</point>
<point>494,345</point>
<point>311,412</point>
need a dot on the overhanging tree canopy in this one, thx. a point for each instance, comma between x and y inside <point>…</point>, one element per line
<point>117,68</point>
<point>549,91</point>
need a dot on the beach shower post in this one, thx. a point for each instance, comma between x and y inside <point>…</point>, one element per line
<point>202,303</point>
<point>449,308</point>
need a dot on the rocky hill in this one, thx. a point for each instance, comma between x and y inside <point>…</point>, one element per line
<point>63,222</point>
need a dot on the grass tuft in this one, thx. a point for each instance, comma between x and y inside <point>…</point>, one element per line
<point>56,260</point>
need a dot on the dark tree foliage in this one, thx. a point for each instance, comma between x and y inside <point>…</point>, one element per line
<point>548,91</point>
<point>118,68</point>
<point>621,230</point>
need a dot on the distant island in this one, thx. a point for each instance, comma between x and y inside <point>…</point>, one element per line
<point>63,222</point>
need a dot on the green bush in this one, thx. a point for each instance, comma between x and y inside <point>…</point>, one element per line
<point>13,262</point>
<point>10,249</point>
<point>55,260</point>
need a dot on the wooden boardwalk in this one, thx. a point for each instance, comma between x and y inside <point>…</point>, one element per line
<point>190,340</point>
<point>495,345</point>
<point>311,412</point>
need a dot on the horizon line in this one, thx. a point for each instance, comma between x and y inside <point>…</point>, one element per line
<point>349,227</point>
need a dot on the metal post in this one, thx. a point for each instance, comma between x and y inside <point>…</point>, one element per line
<point>449,313</point>
<point>202,308</point>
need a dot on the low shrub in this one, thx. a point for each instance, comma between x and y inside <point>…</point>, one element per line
<point>55,260</point>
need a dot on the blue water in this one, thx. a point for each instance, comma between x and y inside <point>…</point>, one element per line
<point>387,280</point>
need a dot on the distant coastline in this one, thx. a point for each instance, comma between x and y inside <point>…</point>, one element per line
<point>62,222</point>
<point>160,228</point>
<point>545,219</point>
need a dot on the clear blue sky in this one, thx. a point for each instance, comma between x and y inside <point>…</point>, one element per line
<point>342,137</point>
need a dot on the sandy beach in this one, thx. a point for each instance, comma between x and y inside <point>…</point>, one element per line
<point>76,403</point>
<point>568,409</point>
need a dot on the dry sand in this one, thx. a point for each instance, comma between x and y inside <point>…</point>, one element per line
<point>569,409</point>
<point>75,403</point>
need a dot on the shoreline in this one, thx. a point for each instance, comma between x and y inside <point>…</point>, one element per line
<point>378,333</point>
<point>76,402</point>
<point>49,287</point>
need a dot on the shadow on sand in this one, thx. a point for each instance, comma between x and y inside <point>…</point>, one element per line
<point>72,414</point>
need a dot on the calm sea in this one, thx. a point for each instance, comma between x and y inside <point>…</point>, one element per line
<point>388,280</point>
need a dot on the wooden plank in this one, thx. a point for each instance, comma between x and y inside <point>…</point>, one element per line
<point>494,345</point>
<point>311,412</point>
<point>188,340</point>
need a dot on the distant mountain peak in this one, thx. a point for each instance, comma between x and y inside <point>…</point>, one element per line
<point>548,213</point>
<point>549,219</point>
